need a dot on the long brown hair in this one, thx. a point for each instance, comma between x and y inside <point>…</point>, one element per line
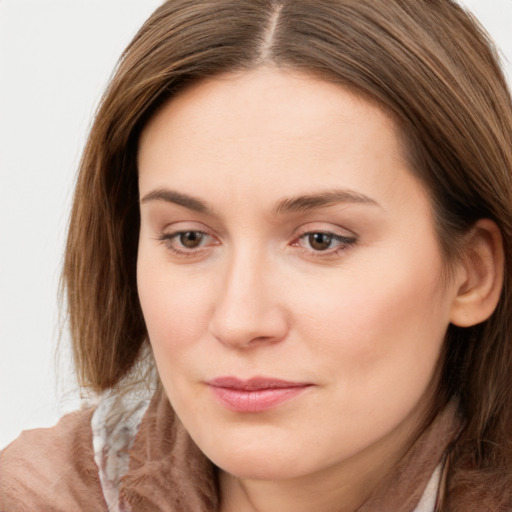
<point>426,61</point>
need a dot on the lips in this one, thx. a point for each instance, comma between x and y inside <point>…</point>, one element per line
<point>256,394</point>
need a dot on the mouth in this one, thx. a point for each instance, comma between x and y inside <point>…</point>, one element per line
<point>254,395</point>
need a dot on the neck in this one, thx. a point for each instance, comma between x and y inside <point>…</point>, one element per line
<point>390,475</point>
<point>297,495</point>
<point>343,487</point>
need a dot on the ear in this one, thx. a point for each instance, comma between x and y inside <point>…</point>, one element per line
<point>480,276</point>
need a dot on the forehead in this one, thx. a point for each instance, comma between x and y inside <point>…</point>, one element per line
<point>283,127</point>
<point>286,102</point>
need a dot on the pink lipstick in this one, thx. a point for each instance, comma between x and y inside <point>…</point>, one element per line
<point>254,395</point>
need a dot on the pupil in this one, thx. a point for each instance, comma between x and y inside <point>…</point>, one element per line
<point>320,241</point>
<point>191,239</point>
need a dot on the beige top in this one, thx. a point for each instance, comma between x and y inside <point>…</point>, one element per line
<point>134,455</point>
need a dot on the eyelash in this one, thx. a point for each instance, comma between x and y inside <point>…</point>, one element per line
<point>343,243</point>
<point>168,240</point>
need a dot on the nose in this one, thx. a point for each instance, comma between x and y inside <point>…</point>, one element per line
<point>248,312</point>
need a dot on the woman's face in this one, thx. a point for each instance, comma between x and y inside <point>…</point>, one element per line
<point>289,274</point>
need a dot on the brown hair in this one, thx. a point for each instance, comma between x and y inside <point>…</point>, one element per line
<point>427,61</point>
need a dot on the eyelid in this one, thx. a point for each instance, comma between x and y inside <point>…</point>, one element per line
<point>325,227</point>
<point>339,238</point>
<point>169,237</point>
<point>342,238</point>
<point>346,240</point>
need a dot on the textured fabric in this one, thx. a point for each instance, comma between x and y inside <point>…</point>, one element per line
<point>403,487</point>
<point>167,472</point>
<point>428,501</point>
<point>115,424</point>
<point>162,470</point>
<point>52,470</point>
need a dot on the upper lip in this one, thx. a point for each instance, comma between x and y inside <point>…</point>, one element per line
<point>254,383</point>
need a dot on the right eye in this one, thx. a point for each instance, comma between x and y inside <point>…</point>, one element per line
<point>186,242</point>
<point>191,239</point>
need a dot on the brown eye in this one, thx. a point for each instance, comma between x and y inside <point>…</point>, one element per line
<point>191,239</point>
<point>320,241</point>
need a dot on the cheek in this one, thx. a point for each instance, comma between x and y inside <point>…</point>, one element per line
<point>175,306</point>
<point>176,315</point>
<point>380,326</point>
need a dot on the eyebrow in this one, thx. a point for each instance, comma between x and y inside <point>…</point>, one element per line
<point>171,196</point>
<point>321,200</point>
<point>290,205</point>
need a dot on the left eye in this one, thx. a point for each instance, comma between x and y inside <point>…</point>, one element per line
<point>322,242</point>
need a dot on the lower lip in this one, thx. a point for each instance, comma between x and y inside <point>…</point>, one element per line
<point>256,400</point>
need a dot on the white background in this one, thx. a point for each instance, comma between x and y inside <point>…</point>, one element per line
<point>55,59</point>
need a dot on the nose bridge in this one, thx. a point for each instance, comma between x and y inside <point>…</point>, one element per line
<point>247,308</point>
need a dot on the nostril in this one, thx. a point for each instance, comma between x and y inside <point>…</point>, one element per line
<point>251,330</point>
<point>247,311</point>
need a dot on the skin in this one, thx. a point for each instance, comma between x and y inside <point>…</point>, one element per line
<point>361,318</point>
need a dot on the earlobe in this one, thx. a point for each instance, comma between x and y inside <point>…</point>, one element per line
<point>481,281</point>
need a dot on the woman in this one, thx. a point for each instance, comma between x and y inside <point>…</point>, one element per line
<point>304,209</point>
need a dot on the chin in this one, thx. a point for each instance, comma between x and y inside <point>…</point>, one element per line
<point>260,462</point>
<point>270,468</point>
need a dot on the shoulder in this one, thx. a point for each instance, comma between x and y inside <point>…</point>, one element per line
<point>52,468</point>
